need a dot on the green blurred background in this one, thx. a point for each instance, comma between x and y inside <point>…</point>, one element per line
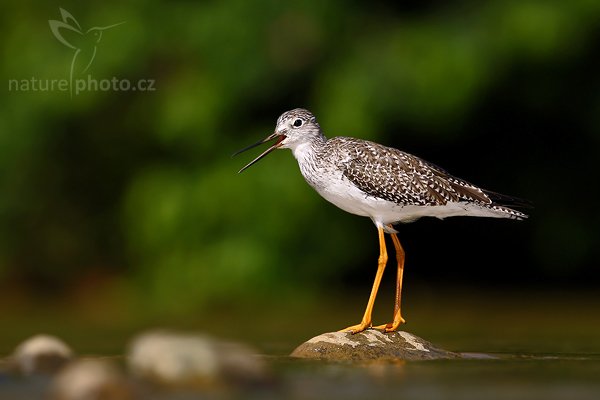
<point>125,205</point>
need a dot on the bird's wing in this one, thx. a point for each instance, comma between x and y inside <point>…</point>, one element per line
<point>402,178</point>
<point>463,189</point>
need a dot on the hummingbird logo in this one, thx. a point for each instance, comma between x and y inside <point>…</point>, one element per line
<point>84,43</point>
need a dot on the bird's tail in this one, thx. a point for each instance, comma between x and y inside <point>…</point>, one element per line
<point>514,206</point>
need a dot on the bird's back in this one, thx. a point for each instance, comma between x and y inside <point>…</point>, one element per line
<point>390,177</point>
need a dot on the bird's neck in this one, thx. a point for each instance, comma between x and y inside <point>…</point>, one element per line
<point>309,149</point>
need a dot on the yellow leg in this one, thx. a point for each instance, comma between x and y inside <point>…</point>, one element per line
<point>383,257</point>
<point>393,326</point>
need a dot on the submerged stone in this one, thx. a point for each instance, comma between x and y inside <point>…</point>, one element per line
<point>370,345</point>
<point>193,360</point>
<point>41,354</point>
<point>93,379</point>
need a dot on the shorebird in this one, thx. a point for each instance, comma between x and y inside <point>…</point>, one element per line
<point>382,183</point>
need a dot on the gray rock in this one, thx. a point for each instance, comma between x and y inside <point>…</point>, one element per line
<point>91,379</point>
<point>193,361</point>
<point>43,354</point>
<point>370,345</point>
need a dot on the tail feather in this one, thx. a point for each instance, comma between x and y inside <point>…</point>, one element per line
<point>509,201</point>
<point>509,204</point>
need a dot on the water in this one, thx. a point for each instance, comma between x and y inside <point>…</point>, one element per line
<point>526,346</point>
<point>508,377</point>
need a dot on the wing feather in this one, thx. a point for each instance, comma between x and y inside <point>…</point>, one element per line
<point>402,178</point>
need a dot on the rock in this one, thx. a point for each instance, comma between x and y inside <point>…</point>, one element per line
<point>193,361</point>
<point>91,379</point>
<point>240,364</point>
<point>43,354</point>
<point>370,345</point>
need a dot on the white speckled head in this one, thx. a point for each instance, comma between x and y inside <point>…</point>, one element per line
<point>294,128</point>
<point>298,126</point>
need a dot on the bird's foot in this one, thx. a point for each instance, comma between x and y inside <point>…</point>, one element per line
<point>357,328</point>
<point>392,326</point>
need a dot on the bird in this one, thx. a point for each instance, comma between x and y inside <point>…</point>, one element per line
<point>385,184</point>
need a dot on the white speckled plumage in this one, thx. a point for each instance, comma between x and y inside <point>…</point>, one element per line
<point>382,183</point>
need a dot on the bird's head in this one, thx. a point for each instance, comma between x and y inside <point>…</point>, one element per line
<point>297,126</point>
<point>294,127</point>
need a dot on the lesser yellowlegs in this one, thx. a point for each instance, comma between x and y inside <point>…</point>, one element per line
<point>382,183</point>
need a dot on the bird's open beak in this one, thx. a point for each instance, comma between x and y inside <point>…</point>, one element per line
<point>277,144</point>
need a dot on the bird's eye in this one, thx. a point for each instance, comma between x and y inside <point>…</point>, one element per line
<point>298,123</point>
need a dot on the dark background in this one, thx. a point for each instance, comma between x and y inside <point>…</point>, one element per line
<point>128,201</point>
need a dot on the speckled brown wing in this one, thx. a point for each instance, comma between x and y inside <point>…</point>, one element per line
<point>402,178</point>
<point>464,190</point>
